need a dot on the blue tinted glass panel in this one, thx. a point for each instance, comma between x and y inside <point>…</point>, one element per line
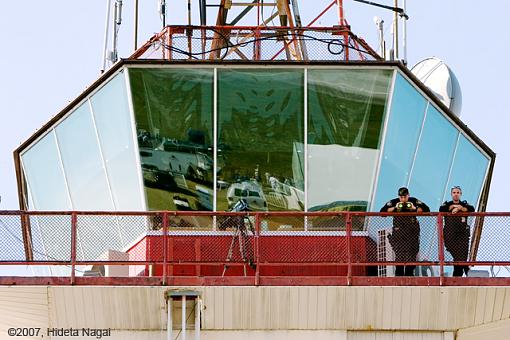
<point>404,125</point>
<point>47,191</point>
<point>430,173</point>
<point>82,162</point>
<point>433,159</point>
<point>113,122</point>
<point>44,176</point>
<point>468,171</point>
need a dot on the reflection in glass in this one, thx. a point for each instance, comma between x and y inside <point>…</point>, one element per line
<point>345,117</point>
<point>433,159</point>
<point>44,176</point>
<point>430,174</point>
<point>260,139</point>
<point>82,162</point>
<point>111,113</point>
<point>468,171</point>
<point>173,112</point>
<point>47,191</point>
<point>403,128</point>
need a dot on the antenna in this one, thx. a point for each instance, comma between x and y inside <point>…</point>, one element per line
<point>404,32</point>
<point>106,32</point>
<point>162,11</point>
<point>136,25</point>
<point>117,20</point>
<point>379,23</point>
<point>397,12</point>
<point>395,32</point>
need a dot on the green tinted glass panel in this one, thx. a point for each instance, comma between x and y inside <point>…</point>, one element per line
<point>260,139</point>
<point>173,112</point>
<point>345,118</point>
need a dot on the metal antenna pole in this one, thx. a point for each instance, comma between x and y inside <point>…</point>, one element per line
<point>136,25</point>
<point>404,28</point>
<point>117,20</point>
<point>106,32</point>
<point>395,31</point>
<point>162,11</point>
<point>189,12</point>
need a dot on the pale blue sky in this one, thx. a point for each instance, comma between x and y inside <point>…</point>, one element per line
<point>51,51</point>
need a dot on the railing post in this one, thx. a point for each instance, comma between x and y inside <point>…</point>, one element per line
<point>257,249</point>
<point>73,246</point>
<point>348,224</point>
<point>165,246</point>
<point>440,235</point>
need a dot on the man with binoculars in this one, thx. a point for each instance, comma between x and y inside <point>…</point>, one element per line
<point>405,236</point>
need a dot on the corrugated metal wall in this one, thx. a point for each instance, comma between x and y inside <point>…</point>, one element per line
<point>355,308</point>
<point>424,313</point>
<point>23,307</point>
<point>499,330</point>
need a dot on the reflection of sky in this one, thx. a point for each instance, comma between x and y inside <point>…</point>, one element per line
<point>433,159</point>
<point>404,124</point>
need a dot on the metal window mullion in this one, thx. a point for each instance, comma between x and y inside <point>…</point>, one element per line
<point>61,163</point>
<point>418,144</point>
<point>54,131</point>
<point>101,155</point>
<point>451,166</point>
<point>305,149</point>
<point>215,137</point>
<point>30,198</point>
<point>377,170</point>
<point>487,169</point>
<point>132,120</point>
<point>103,162</point>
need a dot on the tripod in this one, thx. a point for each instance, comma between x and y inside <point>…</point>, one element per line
<point>241,235</point>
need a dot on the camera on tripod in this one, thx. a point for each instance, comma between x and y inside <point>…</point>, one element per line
<point>241,225</point>
<point>237,222</point>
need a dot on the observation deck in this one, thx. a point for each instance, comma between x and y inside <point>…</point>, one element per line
<point>181,248</point>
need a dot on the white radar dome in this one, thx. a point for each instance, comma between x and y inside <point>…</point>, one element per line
<point>441,80</point>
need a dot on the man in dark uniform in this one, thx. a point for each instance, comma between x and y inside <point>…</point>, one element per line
<point>456,229</point>
<point>405,236</point>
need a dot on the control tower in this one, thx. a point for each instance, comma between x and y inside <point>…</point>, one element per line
<point>137,183</point>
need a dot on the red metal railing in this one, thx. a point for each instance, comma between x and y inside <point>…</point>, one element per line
<point>226,248</point>
<point>260,43</point>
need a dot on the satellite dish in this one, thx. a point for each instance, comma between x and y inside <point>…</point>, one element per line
<point>441,80</point>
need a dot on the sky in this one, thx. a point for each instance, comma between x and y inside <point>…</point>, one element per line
<point>52,50</point>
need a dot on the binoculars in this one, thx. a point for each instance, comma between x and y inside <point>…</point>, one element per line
<point>404,206</point>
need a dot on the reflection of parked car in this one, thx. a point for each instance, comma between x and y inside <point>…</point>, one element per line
<point>181,203</point>
<point>285,196</point>
<point>250,191</point>
<point>180,160</point>
<point>153,177</point>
